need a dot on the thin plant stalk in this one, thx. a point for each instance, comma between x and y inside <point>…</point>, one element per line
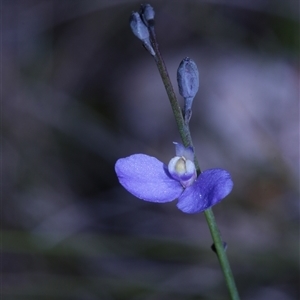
<point>187,141</point>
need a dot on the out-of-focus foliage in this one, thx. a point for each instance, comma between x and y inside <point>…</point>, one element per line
<point>79,91</point>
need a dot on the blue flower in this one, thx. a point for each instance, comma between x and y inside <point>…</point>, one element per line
<point>151,180</point>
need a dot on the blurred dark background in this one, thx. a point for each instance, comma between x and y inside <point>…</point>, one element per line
<point>79,92</point>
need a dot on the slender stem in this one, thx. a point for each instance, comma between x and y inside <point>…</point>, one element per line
<point>183,128</point>
<point>223,260</point>
<point>187,141</point>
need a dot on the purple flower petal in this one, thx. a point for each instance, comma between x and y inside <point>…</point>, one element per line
<point>180,150</point>
<point>146,178</point>
<point>209,188</point>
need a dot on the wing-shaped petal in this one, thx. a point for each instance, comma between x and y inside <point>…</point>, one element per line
<point>209,188</point>
<point>147,178</point>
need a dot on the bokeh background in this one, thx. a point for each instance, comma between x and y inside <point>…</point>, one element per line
<point>79,92</point>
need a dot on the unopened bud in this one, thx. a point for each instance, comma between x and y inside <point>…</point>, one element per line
<point>188,78</point>
<point>138,28</point>
<point>188,84</point>
<point>141,31</point>
<point>147,13</point>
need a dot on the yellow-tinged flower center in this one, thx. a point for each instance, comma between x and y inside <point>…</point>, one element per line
<point>180,166</point>
<point>183,170</point>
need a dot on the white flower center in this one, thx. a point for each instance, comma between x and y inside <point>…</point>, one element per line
<point>183,170</point>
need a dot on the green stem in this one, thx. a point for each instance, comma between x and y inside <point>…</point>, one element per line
<point>187,141</point>
<point>223,260</point>
<point>183,128</point>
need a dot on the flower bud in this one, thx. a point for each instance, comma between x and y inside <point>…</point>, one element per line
<point>141,31</point>
<point>188,78</point>
<point>147,13</point>
<point>138,28</point>
<point>188,83</point>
